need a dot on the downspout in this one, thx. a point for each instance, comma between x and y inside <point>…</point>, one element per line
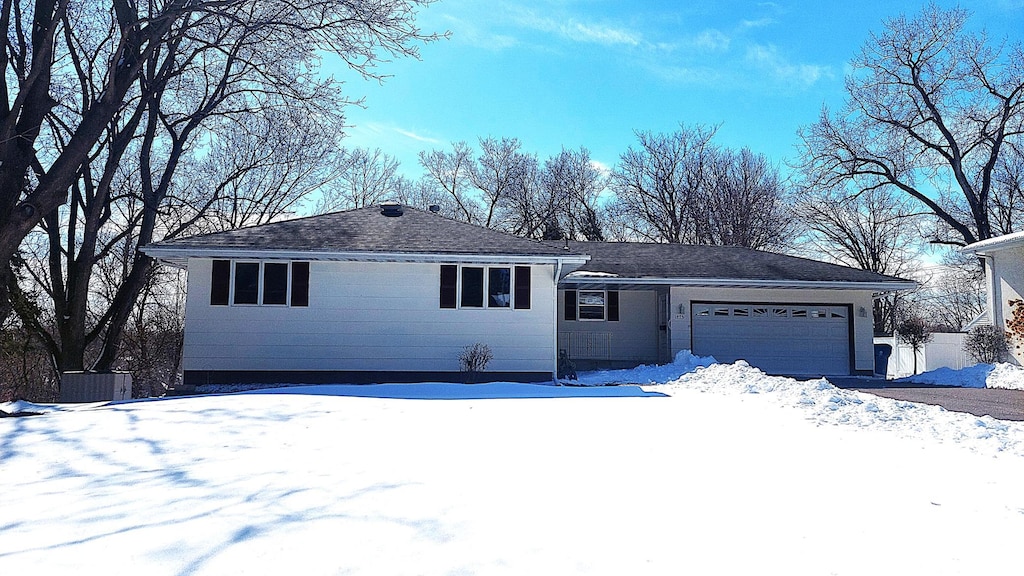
<point>558,276</point>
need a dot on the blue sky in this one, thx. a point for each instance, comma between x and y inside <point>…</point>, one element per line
<point>557,73</point>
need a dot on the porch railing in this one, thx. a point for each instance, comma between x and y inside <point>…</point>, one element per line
<point>586,345</point>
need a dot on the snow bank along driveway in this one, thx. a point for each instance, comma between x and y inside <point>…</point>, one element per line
<point>725,471</point>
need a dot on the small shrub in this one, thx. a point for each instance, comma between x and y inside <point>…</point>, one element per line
<point>915,332</point>
<point>987,344</point>
<point>474,359</point>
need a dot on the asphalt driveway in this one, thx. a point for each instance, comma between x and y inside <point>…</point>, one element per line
<point>995,402</point>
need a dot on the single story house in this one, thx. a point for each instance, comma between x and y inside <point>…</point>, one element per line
<point>1003,257</point>
<point>395,294</point>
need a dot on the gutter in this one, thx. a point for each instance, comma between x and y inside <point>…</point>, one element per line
<point>985,247</point>
<point>885,286</point>
<point>175,256</point>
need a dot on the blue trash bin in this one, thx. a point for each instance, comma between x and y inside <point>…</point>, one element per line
<point>882,353</point>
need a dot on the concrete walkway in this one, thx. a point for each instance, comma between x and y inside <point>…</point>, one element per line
<point>995,402</point>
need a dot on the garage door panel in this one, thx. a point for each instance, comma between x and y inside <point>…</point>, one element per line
<point>781,339</point>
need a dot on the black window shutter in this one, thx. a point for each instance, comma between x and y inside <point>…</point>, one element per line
<point>220,283</point>
<point>449,285</point>
<point>522,289</point>
<point>613,305</point>
<point>570,304</point>
<point>300,283</point>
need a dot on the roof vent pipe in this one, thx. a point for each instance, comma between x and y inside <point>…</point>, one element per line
<point>391,209</point>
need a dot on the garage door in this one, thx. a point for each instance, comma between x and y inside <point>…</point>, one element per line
<point>779,339</point>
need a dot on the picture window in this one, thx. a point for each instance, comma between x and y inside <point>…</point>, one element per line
<point>497,287</point>
<point>259,283</point>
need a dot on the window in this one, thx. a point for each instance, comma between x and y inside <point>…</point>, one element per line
<point>259,283</point>
<point>484,287</point>
<point>592,305</point>
<point>499,287</point>
<point>472,287</point>
<point>275,283</point>
<point>247,282</point>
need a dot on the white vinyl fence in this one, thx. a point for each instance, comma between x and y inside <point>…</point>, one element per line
<point>946,350</point>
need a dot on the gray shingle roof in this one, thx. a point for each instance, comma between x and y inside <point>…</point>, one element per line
<point>368,230</point>
<point>647,260</point>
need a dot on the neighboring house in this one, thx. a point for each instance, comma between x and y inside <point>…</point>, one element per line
<point>395,294</point>
<point>1003,257</point>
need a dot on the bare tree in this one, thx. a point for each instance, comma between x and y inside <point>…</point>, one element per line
<point>366,177</point>
<point>500,172</point>
<point>874,230</point>
<point>451,174</point>
<point>955,296</point>
<point>930,106</point>
<point>1008,190</point>
<point>529,209</point>
<point>129,52</point>
<point>915,332</point>
<point>574,187</point>
<point>223,96</point>
<point>681,187</point>
<point>744,203</point>
<point>658,184</point>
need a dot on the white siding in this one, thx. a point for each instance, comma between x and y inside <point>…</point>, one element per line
<point>372,316</point>
<point>863,330</point>
<point>632,339</point>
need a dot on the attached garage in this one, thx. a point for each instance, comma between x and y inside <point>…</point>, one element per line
<point>782,314</point>
<point>777,338</point>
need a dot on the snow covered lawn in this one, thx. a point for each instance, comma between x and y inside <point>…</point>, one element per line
<point>723,471</point>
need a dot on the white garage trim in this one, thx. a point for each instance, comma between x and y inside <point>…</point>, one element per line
<point>779,338</point>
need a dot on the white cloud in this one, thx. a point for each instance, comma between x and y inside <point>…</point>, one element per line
<point>601,167</point>
<point>468,32</point>
<point>759,23</point>
<point>577,30</point>
<point>385,132</point>
<point>712,41</point>
<point>768,59</point>
<point>417,137</point>
<point>599,34</point>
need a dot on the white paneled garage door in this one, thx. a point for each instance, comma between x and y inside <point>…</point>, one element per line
<point>777,338</point>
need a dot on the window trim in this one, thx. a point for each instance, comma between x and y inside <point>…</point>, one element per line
<point>610,312</point>
<point>580,305</point>
<point>513,269</point>
<point>260,284</point>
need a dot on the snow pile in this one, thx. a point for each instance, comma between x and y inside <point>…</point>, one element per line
<point>23,407</point>
<point>978,376</point>
<point>683,363</point>
<point>1006,376</point>
<point>826,404</point>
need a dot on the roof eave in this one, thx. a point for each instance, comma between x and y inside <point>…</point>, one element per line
<point>179,256</point>
<point>986,247</point>
<point>880,286</point>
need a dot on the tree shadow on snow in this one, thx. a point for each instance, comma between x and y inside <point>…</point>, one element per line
<point>448,391</point>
